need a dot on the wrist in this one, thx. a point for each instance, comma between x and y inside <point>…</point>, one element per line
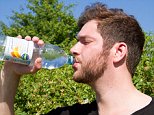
<point>10,69</point>
<point>8,84</point>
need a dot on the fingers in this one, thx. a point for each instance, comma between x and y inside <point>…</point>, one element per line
<point>28,38</point>
<point>35,39</point>
<point>38,41</point>
<point>19,36</point>
<point>37,65</point>
<point>38,61</point>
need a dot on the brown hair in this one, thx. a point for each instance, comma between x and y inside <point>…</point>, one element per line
<point>116,26</point>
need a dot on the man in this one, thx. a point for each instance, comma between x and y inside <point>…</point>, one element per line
<point>109,48</point>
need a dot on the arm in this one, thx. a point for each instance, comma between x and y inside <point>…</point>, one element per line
<point>8,86</point>
<point>9,80</point>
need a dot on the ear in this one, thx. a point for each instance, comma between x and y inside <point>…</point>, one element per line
<point>120,51</point>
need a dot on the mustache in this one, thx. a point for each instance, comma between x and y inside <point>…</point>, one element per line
<point>77,60</point>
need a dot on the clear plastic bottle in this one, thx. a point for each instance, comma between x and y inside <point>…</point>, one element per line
<point>24,52</point>
<point>54,57</point>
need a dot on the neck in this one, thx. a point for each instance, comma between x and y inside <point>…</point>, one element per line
<point>115,94</point>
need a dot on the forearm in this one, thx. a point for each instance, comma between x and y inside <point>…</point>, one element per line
<point>8,85</point>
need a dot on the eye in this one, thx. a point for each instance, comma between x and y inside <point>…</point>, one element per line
<point>85,41</point>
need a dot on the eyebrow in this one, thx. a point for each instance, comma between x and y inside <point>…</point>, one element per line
<point>84,36</point>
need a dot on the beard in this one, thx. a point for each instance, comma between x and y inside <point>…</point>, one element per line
<point>92,69</point>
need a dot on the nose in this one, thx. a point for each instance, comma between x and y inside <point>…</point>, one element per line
<point>75,50</point>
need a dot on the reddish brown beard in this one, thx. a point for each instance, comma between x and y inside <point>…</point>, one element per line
<point>93,69</point>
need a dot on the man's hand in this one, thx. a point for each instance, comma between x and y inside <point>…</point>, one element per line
<point>20,69</point>
<point>10,77</point>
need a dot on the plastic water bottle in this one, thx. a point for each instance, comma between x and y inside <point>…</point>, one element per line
<point>25,52</point>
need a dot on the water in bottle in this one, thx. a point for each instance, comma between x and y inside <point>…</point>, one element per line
<point>24,52</point>
<point>54,57</point>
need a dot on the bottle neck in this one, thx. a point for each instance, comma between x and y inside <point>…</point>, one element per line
<point>70,60</point>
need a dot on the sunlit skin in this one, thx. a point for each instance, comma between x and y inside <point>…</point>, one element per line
<point>104,70</point>
<point>106,73</point>
<point>90,60</point>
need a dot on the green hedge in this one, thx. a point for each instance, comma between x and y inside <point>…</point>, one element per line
<point>49,89</point>
<point>54,23</point>
<point>144,76</point>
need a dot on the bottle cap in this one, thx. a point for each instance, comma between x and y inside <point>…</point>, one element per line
<point>70,60</point>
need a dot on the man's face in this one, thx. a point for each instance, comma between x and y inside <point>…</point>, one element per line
<point>90,60</point>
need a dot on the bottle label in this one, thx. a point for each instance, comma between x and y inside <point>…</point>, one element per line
<point>18,50</point>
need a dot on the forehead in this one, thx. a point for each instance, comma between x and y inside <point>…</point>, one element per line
<point>89,29</point>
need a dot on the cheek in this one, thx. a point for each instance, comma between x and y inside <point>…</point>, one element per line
<point>90,52</point>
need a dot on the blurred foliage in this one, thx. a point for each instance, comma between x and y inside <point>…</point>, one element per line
<point>49,20</point>
<point>53,22</point>
<point>47,90</point>
<point>144,76</point>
